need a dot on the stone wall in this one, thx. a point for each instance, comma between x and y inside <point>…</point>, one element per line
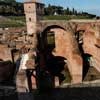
<point>5,53</point>
<point>91,46</point>
<point>67,47</point>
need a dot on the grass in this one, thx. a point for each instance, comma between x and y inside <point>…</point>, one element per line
<point>12,21</point>
<point>65,17</point>
<point>19,21</point>
<point>51,17</point>
<point>8,23</point>
<point>58,17</point>
<point>18,18</point>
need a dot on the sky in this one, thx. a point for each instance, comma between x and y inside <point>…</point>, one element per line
<point>91,6</point>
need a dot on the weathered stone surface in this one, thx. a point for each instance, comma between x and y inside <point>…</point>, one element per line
<point>90,47</point>
<point>67,44</point>
<point>5,53</point>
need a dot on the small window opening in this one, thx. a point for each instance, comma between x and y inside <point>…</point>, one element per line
<point>51,39</point>
<point>30,19</point>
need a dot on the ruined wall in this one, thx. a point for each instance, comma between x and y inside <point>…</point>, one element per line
<point>91,46</point>
<point>67,47</point>
<point>5,53</point>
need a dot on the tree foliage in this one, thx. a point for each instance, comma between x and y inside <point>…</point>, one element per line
<point>11,7</point>
<point>51,9</point>
<point>7,1</point>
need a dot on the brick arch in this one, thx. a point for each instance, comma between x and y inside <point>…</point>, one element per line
<point>49,28</point>
<point>86,27</point>
<point>90,46</point>
<point>52,27</point>
<point>61,24</point>
<point>51,50</point>
<point>67,47</point>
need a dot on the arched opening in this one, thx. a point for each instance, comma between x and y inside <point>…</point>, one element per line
<point>53,48</point>
<point>86,64</point>
<point>89,72</point>
<point>30,19</point>
<point>79,38</point>
<point>48,36</point>
<point>85,57</point>
<point>90,49</point>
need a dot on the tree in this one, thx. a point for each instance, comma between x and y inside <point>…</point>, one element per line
<point>11,7</point>
<point>8,1</point>
<point>73,11</point>
<point>60,10</point>
<point>50,10</point>
<point>66,11</point>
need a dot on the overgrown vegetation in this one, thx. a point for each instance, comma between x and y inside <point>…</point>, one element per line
<point>14,12</point>
<point>11,23</point>
<point>17,18</point>
<point>51,10</point>
<point>11,7</point>
<point>65,17</point>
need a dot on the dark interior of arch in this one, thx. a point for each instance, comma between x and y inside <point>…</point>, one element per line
<point>85,56</point>
<point>53,64</point>
<point>51,27</point>
<point>43,35</point>
<point>86,63</point>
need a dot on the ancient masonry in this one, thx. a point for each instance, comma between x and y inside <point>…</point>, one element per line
<point>73,40</point>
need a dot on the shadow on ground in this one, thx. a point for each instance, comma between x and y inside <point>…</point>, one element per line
<point>92,93</point>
